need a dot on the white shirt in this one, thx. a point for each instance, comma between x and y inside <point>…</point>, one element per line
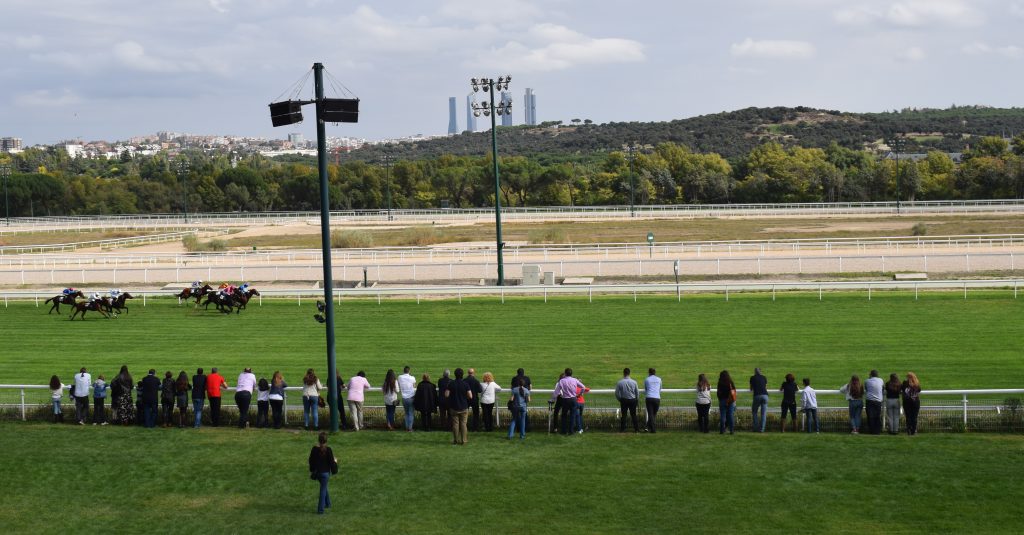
<point>246,382</point>
<point>810,398</point>
<point>263,395</point>
<point>82,383</point>
<point>407,385</point>
<point>312,390</point>
<point>488,393</point>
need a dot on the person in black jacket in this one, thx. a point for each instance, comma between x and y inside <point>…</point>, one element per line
<point>442,403</point>
<point>474,404</point>
<point>726,402</point>
<point>425,400</point>
<point>198,395</point>
<point>322,464</point>
<point>167,397</point>
<point>524,380</point>
<point>150,394</point>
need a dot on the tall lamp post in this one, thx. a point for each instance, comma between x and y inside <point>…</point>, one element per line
<point>504,107</point>
<point>386,162</point>
<point>183,166</point>
<point>897,144</point>
<point>631,151</point>
<point>328,110</point>
<point>5,172</point>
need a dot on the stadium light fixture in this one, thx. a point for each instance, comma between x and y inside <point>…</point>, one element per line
<point>490,85</point>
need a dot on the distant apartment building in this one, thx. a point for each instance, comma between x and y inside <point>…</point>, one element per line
<point>453,122</point>
<point>530,107</point>
<point>506,99</point>
<point>470,118</point>
<point>10,144</point>
<point>297,140</point>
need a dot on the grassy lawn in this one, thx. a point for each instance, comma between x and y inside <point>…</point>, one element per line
<point>948,341</point>
<point>226,480</point>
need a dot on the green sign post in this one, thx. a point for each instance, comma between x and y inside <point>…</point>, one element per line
<point>650,244</point>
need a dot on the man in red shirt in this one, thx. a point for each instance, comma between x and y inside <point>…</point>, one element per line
<point>214,382</point>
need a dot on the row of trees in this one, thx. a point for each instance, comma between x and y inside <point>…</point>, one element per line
<point>47,182</point>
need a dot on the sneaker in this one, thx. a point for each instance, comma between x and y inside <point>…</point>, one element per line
<point>104,423</point>
<point>94,423</point>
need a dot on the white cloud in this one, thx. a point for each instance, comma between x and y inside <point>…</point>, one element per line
<point>979,49</point>
<point>912,13</point>
<point>555,48</point>
<point>773,49</point>
<point>482,12</point>
<point>44,98</point>
<point>1017,10</point>
<point>220,6</point>
<point>913,54</point>
<point>28,42</point>
<point>133,55</point>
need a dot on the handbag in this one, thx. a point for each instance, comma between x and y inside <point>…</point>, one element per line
<point>334,466</point>
<point>320,402</point>
<point>732,395</point>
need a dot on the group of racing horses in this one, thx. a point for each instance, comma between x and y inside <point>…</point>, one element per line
<point>111,306</point>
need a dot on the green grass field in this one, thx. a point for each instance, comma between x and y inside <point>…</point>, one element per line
<point>948,341</point>
<point>226,480</point>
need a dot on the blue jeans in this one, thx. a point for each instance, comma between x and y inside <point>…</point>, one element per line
<point>856,406</point>
<point>518,420</point>
<point>149,411</point>
<point>726,415</point>
<point>197,408</point>
<point>325,498</point>
<point>407,405</point>
<point>810,414</point>
<point>56,406</point>
<point>760,402</point>
<point>389,414</point>
<point>309,405</point>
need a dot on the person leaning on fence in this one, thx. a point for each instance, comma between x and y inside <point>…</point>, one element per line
<point>809,401</point>
<point>244,389</point>
<point>726,393</point>
<point>425,401</point>
<point>150,394</point>
<point>214,383</point>
<point>276,397</point>
<point>703,403</point>
<point>121,397</point>
<point>407,387</point>
<point>262,403</point>
<point>874,391</point>
<point>527,384</point>
<point>340,386</point>
<point>627,392</point>
<point>99,397</point>
<point>519,402</point>
<point>181,390</point>
<point>854,392</point>
<point>322,464</point>
<point>458,394</point>
<point>198,396</point>
<point>892,403</point>
<point>911,401</point>
<point>788,389</point>
<point>390,391</point>
<point>581,402</point>
<point>554,405</point>
<point>474,404</point>
<point>759,391</point>
<point>81,385</point>
<point>566,390</point>
<point>442,401</point>
<point>652,399</point>
<point>310,398</point>
<point>357,387</point>
<point>56,396</point>
<point>167,397</point>
<point>488,395</point>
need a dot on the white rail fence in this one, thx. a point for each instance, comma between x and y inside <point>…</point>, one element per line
<point>941,410</point>
<point>102,244</point>
<point>452,271</point>
<point>458,292</point>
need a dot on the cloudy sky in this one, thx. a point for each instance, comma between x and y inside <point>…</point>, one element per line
<point>111,69</point>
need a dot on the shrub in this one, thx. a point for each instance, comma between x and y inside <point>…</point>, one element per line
<point>419,236</point>
<point>920,229</point>
<point>192,244</point>
<point>548,235</point>
<point>351,239</point>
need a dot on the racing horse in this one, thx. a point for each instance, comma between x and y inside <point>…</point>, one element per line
<point>242,299</point>
<point>82,307</point>
<point>117,305</point>
<point>224,302</point>
<point>197,294</point>
<point>63,299</point>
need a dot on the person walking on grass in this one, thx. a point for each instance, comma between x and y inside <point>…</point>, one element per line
<point>652,399</point>
<point>520,400</point>
<point>874,392</point>
<point>726,393</point>
<point>390,391</point>
<point>214,383</point>
<point>181,389</point>
<point>911,401</point>
<point>357,386</point>
<point>703,403</point>
<point>276,397</point>
<point>788,389</point>
<point>56,395</point>
<point>488,396</point>
<point>759,391</point>
<point>310,399</point>
<point>99,397</point>
<point>198,396</point>
<point>82,383</point>
<point>244,389</point>
<point>854,391</point>
<point>809,401</point>
<point>893,387</point>
<point>459,395</point>
<point>627,392</point>
<point>322,464</point>
<point>407,386</point>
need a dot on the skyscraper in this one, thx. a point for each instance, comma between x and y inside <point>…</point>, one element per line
<point>506,98</point>
<point>470,119</point>
<point>530,107</point>
<point>453,123</point>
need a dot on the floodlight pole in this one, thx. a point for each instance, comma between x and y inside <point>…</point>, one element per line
<point>183,174</point>
<point>5,170</point>
<point>497,187</point>
<point>325,240</point>
<point>632,186</point>
<point>387,174</point>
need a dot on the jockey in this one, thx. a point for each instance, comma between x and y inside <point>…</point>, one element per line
<point>243,288</point>
<point>115,293</point>
<point>68,291</point>
<point>96,296</point>
<point>196,285</point>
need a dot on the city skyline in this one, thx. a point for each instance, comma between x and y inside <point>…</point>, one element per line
<point>95,70</point>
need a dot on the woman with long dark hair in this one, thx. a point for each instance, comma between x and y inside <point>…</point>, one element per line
<point>56,393</point>
<point>181,390</point>
<point>854,391</point>
<point>310,398</point>
<point>390,391</point>
<point>911,401</point>
<point>788,389</point>
<point>121,397</point>
<point>276,397</point>
<point>322,464</point>
<point>703,402</point>
<point>893,388</point>
<point>520,401</point>
<point>726,393</point>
